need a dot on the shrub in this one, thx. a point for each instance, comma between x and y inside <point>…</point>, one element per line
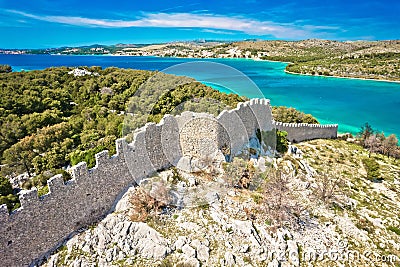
<point>43,190</point>
<point>6,194</point>
<point>11,201</point>
<point>280,201</point>
<point>87,156</point>
<point>143,204</point>
<point>5,186</point>
<point>372,168</point>
<point>394,229</point>
<point>282,143</point>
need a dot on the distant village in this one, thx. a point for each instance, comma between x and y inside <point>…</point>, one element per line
<point>181,49</point>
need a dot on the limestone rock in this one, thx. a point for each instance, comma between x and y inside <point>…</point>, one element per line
<point>203,253</point>
<point>189,251</point>
<point>150,244</point>
<point>229,259</point>
<point>180,242</point>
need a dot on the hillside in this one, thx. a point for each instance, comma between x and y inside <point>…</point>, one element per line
<point>362,59</point>
<point>321,211</point>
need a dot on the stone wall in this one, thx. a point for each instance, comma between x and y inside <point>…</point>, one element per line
<point>42,224</point>
<point>298,132</point>
<point>242,122</point>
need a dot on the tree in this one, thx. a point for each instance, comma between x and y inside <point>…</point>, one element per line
<point>20,155</point>
<point>329,189</point>
<point>373,144</point>
<point>365,132</point>
<point>280,201</point>
<point>390,145</point>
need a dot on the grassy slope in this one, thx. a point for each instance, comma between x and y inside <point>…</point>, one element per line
<point>377,210</point>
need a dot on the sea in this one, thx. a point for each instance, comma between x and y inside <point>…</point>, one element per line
<point>348,102</point>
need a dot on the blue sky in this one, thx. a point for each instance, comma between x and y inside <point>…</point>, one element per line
<point>45,23</point>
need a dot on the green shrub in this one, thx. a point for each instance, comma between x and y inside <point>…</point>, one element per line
<point>6,195</point>
<point>372,168</point>
<point>5,69</point>
<point>282,143</point>
<point>11,201</point>
<point>5,186</point>
<point>394,229</point>
<point>271,138</point>
<point>87,156</point>
<point>43,190</point>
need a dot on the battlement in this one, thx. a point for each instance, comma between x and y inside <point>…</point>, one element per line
<point>298,132</point>
<point>90,193</point>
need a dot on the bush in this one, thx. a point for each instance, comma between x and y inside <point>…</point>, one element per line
<point>87,156</point>
<point>372,168</point>
<point>282,143</point>
<point>6,195</point>
<point>270,138</point>
<point>5,186</point>
<point>143,204</point>
<point>40,181</point>
<point>394,229</point>
<point>11,201</point>
<point>43,190</point>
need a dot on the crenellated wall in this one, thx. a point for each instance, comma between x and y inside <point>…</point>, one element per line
<point>42,224</point>
<point>298,132</point>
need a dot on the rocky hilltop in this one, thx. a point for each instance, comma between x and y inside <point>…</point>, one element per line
<point>263,217</point>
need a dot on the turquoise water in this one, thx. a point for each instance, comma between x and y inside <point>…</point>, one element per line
<point>348,102</point>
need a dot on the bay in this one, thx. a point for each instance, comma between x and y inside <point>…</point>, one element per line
<point>348,102</point>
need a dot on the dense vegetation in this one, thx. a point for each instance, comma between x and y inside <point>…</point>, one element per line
<point>361,59</point>
<point>292,115</point>
<point>375,65</point>
<point>50,119</point>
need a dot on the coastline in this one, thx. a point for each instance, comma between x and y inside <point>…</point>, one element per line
<point>341,77</point>
<point>232,58</point>
<point>286,71</point>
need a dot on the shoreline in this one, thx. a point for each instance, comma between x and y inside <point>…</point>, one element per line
<point>341,77</point>
<point>232,58</point>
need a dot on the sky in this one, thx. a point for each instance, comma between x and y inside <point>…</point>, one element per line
<point>49,23</point>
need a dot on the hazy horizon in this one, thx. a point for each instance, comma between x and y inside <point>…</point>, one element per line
<point>50,24</point>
